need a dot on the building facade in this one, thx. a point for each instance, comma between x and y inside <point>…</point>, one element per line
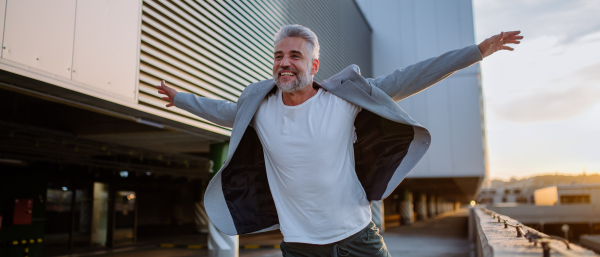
<point>452,171</point>
<point>89,149</point>
<point>94,157</point>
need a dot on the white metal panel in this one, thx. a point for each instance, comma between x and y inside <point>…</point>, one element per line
<point>39,34</point>
<point>409,31</point>
<point>439,120</point>
<point>448,25</point>
<point>106,45</point>
<point>426,29</point>
<point>467,27</point>
<point>2,16</point>
<point>385,39</point>
<point>408,28</point>
<point>466,125</point>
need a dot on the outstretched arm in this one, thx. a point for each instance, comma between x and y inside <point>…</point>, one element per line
<point>413,79</point>
<point>498,42</point>
<point>220,112</point>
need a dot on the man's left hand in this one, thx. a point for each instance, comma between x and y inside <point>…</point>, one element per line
<point>498,42</point>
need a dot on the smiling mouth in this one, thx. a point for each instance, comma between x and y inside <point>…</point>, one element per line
<point>287,74</point>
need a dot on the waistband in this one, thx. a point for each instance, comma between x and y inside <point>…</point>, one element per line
<point>313,247</point>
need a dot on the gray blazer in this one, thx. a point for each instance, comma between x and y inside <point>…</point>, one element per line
<point>390,143</point>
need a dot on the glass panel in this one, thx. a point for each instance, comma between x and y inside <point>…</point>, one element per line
<point>125,217</point>
<point>100,214</point>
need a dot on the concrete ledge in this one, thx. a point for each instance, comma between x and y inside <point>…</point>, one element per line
<point>591,241</point>
<point>491,239</point>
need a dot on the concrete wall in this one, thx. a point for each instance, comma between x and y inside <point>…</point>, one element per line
<point>492,239</point>
<point>409,31</point>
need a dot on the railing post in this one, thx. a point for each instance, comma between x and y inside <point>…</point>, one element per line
<point>546,249</point>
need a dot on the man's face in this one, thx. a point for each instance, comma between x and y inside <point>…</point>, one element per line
<point>292,65</point>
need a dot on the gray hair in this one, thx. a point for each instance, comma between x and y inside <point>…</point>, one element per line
<point>312,43</point>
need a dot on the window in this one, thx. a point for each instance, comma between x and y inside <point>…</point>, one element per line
<point>487,200</point>
<point>504,199</point>
<point>492,192</point>
<point>521,199</point>
<point>574,199</point>
<point>506,191</point>
<point>517,191</point>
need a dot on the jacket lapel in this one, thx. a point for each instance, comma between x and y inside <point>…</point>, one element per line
<point>247,110</point>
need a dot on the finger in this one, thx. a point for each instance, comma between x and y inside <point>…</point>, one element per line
<point>162,83</point>
<point>507,48</point>
<point>170,104</point>
<point>512,42</point>
<point>166,98</point>
<point>162,92</point>
<point>513,33</point>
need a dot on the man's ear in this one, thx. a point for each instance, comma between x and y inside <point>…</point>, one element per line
<point>315,67</point>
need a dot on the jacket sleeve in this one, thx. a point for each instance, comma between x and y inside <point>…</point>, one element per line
<point>220,112</point>
<point>413,79</point>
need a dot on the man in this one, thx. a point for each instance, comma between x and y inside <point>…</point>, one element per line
<point>308,158</point>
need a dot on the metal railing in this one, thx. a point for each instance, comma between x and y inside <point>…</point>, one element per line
<point>534,236</point>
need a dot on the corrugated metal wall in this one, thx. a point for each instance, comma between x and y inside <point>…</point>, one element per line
<point>216,48</point>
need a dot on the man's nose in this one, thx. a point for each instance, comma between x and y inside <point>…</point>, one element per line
<point>285,62</point>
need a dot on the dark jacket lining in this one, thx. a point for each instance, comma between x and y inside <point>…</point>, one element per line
<point>246,188</point>
<point>382,145</point>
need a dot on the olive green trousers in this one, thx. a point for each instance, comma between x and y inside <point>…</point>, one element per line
<point>366,243</point>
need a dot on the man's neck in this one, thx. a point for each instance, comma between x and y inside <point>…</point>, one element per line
<point>300,96</point>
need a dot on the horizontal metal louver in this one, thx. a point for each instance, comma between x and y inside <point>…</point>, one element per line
<point>216,48</point>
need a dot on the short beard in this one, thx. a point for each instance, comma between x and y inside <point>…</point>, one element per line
<point>302,80</point>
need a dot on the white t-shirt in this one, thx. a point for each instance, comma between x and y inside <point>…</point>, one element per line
<point>309,159</point>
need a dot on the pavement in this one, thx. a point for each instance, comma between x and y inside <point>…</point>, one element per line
<point>445,235</point>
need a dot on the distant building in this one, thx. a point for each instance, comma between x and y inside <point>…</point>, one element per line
<point>506,195</point>
<point>569,195</point>
<point>575,205</point>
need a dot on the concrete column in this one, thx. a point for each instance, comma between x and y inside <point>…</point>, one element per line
<point>200,218</point>
<point>406,208</point>
<point>440,205</point>
<point>431,206</point>
<point>421,206</point>
<point>220,244</point>
<point>377,215</point>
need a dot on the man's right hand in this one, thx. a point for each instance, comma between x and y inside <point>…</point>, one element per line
<point>168,91</point>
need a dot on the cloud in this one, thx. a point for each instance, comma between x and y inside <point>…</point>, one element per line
<point>581,91</point>
<point>569,21</point>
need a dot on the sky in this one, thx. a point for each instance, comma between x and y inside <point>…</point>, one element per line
<point>542,101</point>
